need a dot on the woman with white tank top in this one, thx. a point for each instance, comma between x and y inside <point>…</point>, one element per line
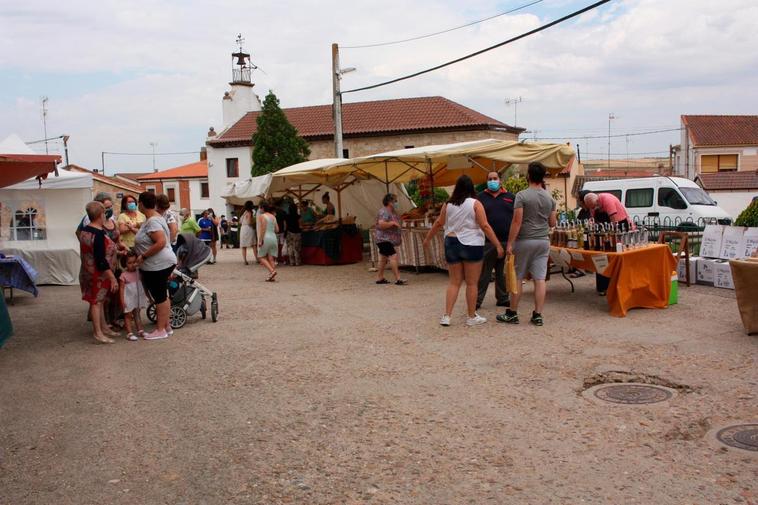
<point>465,225</point>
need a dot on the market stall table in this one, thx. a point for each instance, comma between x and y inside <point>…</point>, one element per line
<point>411,251</point>
<point>339,246</point>
<point>17,273</point>
<point>639,278</point>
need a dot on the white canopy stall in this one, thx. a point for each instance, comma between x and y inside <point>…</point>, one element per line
<point>38,220</point>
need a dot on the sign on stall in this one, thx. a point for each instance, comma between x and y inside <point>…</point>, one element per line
<point>601,262</point>
<point>732,242</point>
<point>750,242</point>
<point>710,246</point>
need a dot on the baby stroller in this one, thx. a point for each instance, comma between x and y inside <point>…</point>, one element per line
<point>187,295</point>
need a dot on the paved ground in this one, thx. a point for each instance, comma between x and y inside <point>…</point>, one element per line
<point>324,388</point>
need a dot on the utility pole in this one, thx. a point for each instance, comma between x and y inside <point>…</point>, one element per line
<point>337,73</point>
<point>515,102</point>
<point>44,120</point>
<point>610,116</point>
<point>65,146</point>
<point>102,162</point>
<point>337,95</point>
<point>153,144</point>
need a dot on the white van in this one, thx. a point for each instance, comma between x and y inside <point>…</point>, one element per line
<point>667,200</point>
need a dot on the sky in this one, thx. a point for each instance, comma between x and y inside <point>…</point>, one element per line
<point>122,75</point>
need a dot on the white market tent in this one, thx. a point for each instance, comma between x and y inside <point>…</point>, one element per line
<point>38,220</point>
<point>306,180</point>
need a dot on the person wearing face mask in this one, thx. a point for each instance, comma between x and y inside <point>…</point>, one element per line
<point>498,207</point>
<point>387,234</point>
<point>129,220</point>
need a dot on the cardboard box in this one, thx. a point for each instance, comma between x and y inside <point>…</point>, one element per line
<point>722,275</point>
<point>682,272</point>
<point>710,245</point>
<point>732,243</point>
<point>705,270</point>
<point>750,242</point>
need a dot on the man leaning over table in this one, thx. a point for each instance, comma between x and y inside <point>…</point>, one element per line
<point>498,207</point>
<point>610,206</point>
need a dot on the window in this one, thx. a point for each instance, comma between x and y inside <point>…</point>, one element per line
<point>718,163</point>
<point>697,196</point>
<point>232,167</point>
<point>669,197</point>
<point>346,153</point>
<point>151,189</point>
<point>171,193</point>
<point>204,192</point>
<point>636,198</point>
<point>28,224</point>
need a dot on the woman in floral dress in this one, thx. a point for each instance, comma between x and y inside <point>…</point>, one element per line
<point>96,279</point>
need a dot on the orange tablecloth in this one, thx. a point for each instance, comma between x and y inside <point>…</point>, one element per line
<point>640,278</point>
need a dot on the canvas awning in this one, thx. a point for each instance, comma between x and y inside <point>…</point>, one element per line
<point>19,163</point>
<point>445,163</point>
<point>254,189</point>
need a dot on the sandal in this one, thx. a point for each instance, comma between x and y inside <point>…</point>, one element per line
<point>131,337</point>
<point>382,281</point>
<point>401,282</point>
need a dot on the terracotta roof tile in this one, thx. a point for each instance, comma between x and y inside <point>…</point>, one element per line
<point>729,180</point>
<point>722,130</point>
<point>367,118</point>
<point>196,169</point>
<point>113,181</point>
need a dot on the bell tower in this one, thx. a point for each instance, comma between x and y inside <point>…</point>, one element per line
<point>240,99</point>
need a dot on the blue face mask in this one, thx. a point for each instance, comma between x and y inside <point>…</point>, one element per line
<point>493,185</point>
<point>131,206</point>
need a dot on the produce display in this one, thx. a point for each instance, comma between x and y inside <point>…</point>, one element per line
<point>591,236</point>
<point>427,211</point>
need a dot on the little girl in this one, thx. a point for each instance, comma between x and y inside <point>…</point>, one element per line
<point>133,297</point>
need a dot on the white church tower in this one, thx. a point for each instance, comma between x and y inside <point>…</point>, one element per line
<point>231,162</point>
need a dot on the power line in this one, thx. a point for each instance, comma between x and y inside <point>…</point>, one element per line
<point>443,31</point>
<point>150,154</point>
<point>635,134</point>
<point>477,53</point>
<point>625,154</point>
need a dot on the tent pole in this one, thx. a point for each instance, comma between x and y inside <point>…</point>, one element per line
<point>431,179</point>
<point>386,178</point>
<point>339,203</point>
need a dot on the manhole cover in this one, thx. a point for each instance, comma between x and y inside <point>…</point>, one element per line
<point>633,394</point>
<point>741,436</point>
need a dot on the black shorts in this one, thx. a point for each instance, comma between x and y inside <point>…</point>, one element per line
<point>455,252</point>
<point>386,249</point>
<point>156,283</point>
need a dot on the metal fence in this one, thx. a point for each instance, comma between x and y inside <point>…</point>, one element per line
<point>693,229</point>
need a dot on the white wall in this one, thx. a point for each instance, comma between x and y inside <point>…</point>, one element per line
<point>733,202</point>
<point>198,203</point>
<point>217,178</point>
<point>237,102</point>
<point>175,205</point>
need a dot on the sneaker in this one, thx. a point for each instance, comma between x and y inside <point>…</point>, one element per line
<point>476,320</point>
<point>401,282</point>
<point>508,316</point>
<point>536,319</point>
<point>445,320</point>
<point>131,337</point>
<point>170,331</point>
<point>156,335</point>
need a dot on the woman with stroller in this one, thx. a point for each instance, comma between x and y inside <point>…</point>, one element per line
<point>156,261</point>
<point>247,231</point>
<point>268,245</point>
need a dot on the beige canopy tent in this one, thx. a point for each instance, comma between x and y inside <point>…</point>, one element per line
<point>445,163</point>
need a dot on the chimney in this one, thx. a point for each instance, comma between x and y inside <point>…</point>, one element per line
<point>203,154</point>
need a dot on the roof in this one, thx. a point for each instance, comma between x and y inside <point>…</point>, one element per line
<point>198,169</point>
<point>132,176</point>
<point>371,118</point>
<point>729,181</point>
<point>722,130</point>
<point>113,181</point>
<point>607,176</point>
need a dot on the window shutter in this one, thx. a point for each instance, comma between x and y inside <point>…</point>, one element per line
<point>728,162</point>
<point>709,164</point>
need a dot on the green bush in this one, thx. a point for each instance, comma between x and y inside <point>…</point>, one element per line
<point>749,216</point>
<point>515,184</point>
<point>440,194</point>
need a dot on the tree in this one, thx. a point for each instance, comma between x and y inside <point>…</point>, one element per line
<point>276,143</point>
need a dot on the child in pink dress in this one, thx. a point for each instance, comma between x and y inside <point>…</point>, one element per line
<point>133,297</point>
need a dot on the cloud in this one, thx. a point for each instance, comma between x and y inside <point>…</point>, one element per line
<point>645,60</point>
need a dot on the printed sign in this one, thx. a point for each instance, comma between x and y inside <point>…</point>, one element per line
<point>750,242</point>
<point>722,275</point>
<point>732,242</point>
<point>601,262</point>
<point>555,256</point>
<point>565,256</point>
<point>577,256</point>
<point>710,247</point>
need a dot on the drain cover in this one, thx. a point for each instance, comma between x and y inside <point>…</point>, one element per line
<point>741,436</point>
<point>633,394</point>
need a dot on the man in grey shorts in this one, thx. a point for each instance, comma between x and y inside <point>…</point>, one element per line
<point>529,239</point>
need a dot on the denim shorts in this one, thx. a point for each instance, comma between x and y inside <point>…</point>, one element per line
<point>455,252</point>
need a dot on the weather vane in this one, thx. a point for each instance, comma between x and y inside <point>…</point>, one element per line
<point>240,40</point>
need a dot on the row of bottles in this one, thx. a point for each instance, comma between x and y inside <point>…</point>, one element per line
<point>591,236</point>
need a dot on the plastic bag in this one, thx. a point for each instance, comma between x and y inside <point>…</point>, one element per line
<point>510,274</point>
